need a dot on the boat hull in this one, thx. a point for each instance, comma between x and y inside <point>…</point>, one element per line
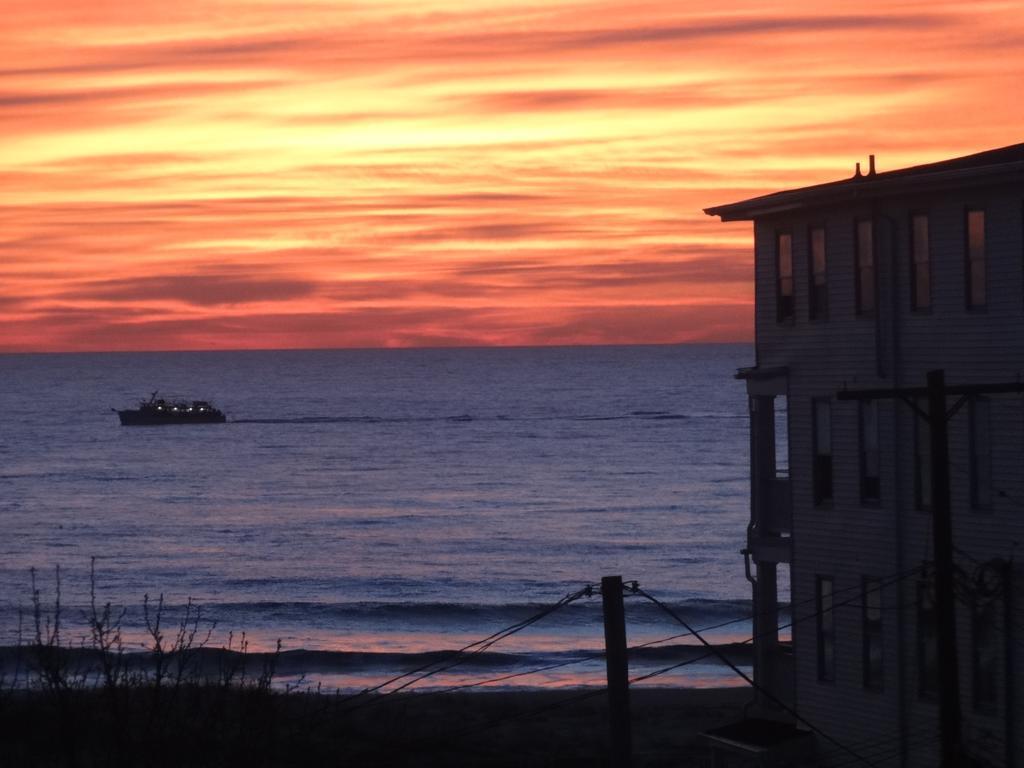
<point>142,419</point>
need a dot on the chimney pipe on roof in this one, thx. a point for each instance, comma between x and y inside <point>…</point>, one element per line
<point>857,173</point>
<point>871,165</point>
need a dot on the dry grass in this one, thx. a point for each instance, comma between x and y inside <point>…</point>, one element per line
<point>181,703</point>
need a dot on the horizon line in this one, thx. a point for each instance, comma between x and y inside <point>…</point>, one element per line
<point>12,353</point>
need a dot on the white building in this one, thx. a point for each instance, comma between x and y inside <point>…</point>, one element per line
<point>869,283</point>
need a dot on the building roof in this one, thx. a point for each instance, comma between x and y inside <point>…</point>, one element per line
<point>1006,163</point>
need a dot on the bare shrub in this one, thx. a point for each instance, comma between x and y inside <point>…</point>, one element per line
<point>105,634</point>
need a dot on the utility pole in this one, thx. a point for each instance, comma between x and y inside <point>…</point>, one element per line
<point>618,671</point>
<point>945,597</point>
<point>937,417</point>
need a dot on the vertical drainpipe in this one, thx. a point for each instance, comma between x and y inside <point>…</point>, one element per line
<point>752,415</point>
<point>880,366</point>
<point>895,373</point>
<point>1009,707</point>
<point>897,500</point>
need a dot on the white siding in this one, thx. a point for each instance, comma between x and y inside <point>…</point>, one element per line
<point>848,540</point>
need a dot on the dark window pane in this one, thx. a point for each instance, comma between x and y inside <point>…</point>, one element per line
<point>784,276</point>
<point>865,268</point>
<point>826,630</point>
<point>822,466</point>
<point>822,479</point>
<point>921,292</point>
<point>927,642</point>
<point>819,278</point>
<point>873,600</point>
<point>872,633</point>
<point>976,259</point>
<point>870,463</point>
<point>977,282</point>
<point>984,653</point>
<point>822,427</point>
<point>922,459</point>
<point>981,453</point>
<point>923,283</point>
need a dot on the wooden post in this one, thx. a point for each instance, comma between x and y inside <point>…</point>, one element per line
<point>618,671</point>
<point>945,598</point>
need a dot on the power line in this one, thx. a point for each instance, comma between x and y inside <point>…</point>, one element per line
<point>750,681</point>
<point>873,743</point>
<point>882,584</point>
<point>665,670</point>
<point>713,651</point>
<point>894,751</point>
<point>582,696</point>
<point>594,656</point>
<point>885,752</point>
<point>462,654</point>
<point>689,633</point>
<point>569,662</point>
<point>888,581</point>
<point>456,735</point>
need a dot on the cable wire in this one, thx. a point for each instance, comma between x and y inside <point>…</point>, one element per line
<point>890,738</point>
<point>665,670</point>
<point>741,673</point>
<point>582,696</point>
<point>461,655</point>
<point>494,723</point>
<point>882,584</point>
<point>588,591</point>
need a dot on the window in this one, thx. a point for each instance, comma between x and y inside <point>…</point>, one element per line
<point>785,306</point>
<point>920,264</point>
<point>782,435</point>
<point>922,458</point>
<point>927,642</point>
<point>984,652</point>
<point>870,482</point>
<point>819,281</point>
<point>981,452</point>
<point>826,630</point>
<point>975,269</point>
<point>822,471</point>
<point>871,593</point>
<point>865,277</point>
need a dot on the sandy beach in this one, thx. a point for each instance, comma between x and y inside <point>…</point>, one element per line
<point>215,726</point>
<point>538,728</point>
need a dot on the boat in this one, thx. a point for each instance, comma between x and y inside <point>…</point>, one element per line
<point>158,411</point>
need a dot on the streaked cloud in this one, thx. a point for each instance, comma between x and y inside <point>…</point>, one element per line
<point>225,173</point>
<point>202,290</point>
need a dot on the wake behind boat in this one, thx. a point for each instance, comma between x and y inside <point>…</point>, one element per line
<point>158,411</point>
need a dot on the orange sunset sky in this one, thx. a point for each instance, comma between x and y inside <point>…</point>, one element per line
<point>217,174</point>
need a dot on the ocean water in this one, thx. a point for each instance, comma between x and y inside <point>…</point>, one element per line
<point>370,508</point>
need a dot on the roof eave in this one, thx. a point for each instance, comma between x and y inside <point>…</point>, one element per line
<point>837,192</point>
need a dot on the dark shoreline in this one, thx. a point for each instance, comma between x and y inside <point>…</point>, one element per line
<point>212,725</point>
<point>209,660</point>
